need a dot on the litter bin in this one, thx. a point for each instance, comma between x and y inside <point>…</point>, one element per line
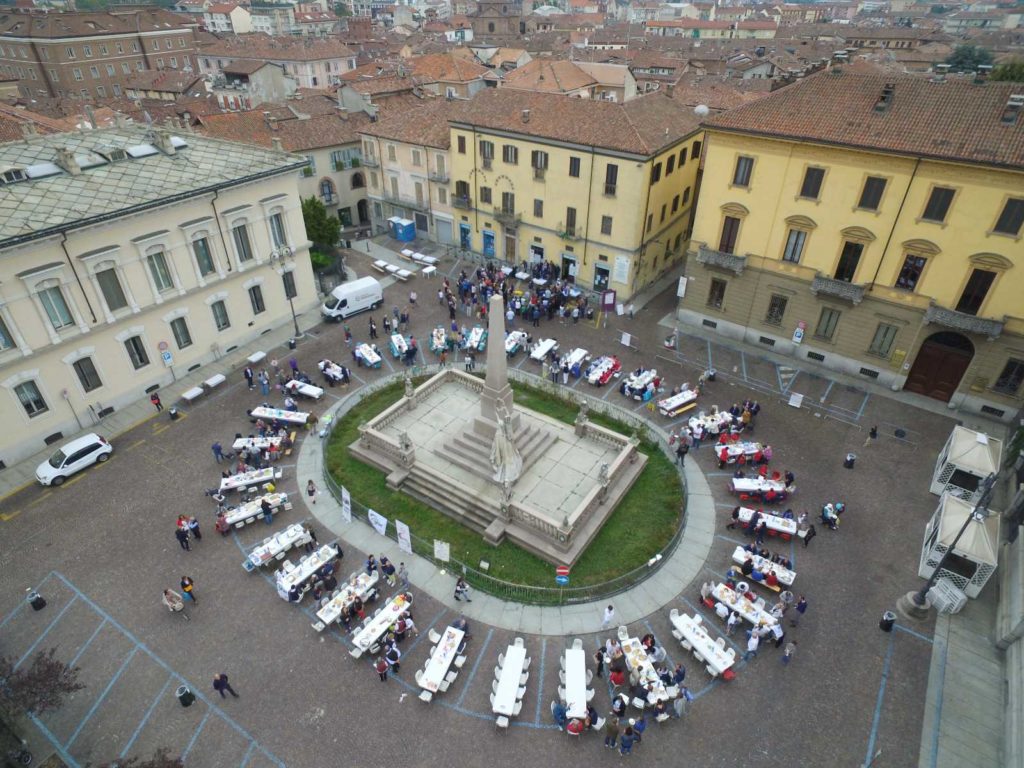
<point>185,695</point>
<point>849,460</point>
<point>36,601</point>
<point>710,374</point>
<point>888,619</point>
<point>291,343</point>
<point>173,413</point>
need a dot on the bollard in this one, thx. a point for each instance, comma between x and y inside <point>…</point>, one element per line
<point>291,343</point>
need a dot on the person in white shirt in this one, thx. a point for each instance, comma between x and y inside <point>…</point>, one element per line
<point>730,625</point>
<point>752,644</point>
<point>609,616</point>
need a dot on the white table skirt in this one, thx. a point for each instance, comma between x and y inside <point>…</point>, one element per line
<point>508,683</point>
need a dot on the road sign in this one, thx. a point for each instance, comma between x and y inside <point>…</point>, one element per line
<point>562,570</point>
<point>561,580</point>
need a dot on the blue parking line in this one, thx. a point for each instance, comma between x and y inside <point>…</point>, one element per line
<point>729,538</point>
<point>791,383</point>
<point>540,685</point>
<point>831,383</point>
<point>353,375</point>
<point>938,706</point>
<point>577,382</point>
<point>522,360</point>
<point>54,742</point>
<point>863,405</point>
<point>102,696</point>
<point>878,704</point>
<point>384,357</point>
<point>195,735</point>
<point>248,754</point>
<point>51,625</point>
<point>778,377</point>
<point>145,717</point>
<point>608,390</point>
<point>918,635</point>
<point>476,666</point>
<point>88,642</point>
<point>13,613</point>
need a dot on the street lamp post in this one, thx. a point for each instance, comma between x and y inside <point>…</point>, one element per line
<point>275,255</point>
<point>915,604</point>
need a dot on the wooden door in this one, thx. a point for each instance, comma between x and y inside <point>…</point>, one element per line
<point>940,365</point>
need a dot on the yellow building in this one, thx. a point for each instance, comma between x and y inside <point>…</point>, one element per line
<point>602,190</point>
<point>872,225</point>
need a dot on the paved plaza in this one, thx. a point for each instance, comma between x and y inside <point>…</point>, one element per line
<point>101,549</point>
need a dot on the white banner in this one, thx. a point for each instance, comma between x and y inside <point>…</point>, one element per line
<point>378,521</point>
<point>346,505</point>
<point>404,538</point>
<point>441,550</point>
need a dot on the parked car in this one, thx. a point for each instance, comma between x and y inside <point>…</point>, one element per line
<point>73,457</point>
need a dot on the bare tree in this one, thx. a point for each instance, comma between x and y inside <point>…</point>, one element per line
<point>160,759</point>
<point>38,688</point>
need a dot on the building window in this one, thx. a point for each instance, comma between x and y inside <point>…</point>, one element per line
<point>110,70</point>
<point>538,208</point>
<point>910,274</point>
<point>460,142</point>
<point>31,399</point>
<point>716,293</point>
<point>87,50</point>
<point>871,195</point>
<point>606,225</point>
<point>675,203</point>
<point>744,168</point>
<point>794,246</point>
<point>811,188</point>
<point>650,222</point>
<point>570,221</point>
<point>730,231</point>
<point>881,344</point>
<point>220,315</point>
<point>87,375</point>
<point>392,153</point>
<point>256,299</point>
<point>277,233</point>
<point>179,327</point>
<point>686,196</point>
<point>56,308</point>
<point>6,340</point>
<point>485,195</point>
<point>136,352</point>
<point>288,280</point>
<point>201,248</point>
<point>1012,217</point>
<point>975,291</point>
<point>442,196</point>
<point>938,204</point>
<point>113,294</point>
<point>611,179</point>
<point>848,261</point>
<point>487,151</point>
<point>682,157</point>
<point>776,309</point>
<point>77,74</point>
<point>539,162</point>
<point>243,248</point>
<point>126,68</point>
<point>159,272</point>
<point>508,202</point>
<point>510,154</point>
<point>827,322</point>
<point>664,210</point>
<point>655,173</point>
<point>574,167</point>
<point>670,165</point>
<point>694,151</point>
<point>70,52</point>
<point>95,72</point>
<point>1010,379</point>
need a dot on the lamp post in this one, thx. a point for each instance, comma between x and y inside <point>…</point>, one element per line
<point>915,604</point>
<point>275,255</point>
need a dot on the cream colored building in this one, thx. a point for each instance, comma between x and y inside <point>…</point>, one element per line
<point>131,257</point>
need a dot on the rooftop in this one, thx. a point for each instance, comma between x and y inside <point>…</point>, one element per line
<point>549,76</point>
<point>167,80</point>
<point>262,126</point>
<point>51,200</point>
<point>426,124</point>
<point>953,120</point>
<point>43,25</point>
<point>260,46</point>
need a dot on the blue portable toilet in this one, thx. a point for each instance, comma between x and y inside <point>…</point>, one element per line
<point>405,231</point>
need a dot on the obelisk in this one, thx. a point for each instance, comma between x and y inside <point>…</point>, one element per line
<point>496,388</point>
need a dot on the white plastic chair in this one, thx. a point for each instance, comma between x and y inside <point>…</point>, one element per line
<point>519,642</point>
<point>590,695</point>
<point>494,686</point>
<point>523,678</point>
<point>520,693</point>
<point>434,637</point>
<point>623,633</point>
<point>561,693</point>
<point>501,723</point>
<point>501,659</point>
<point>492,701</point>
<point>517,709</point>
<point>451,677</point>
<point>526,664</point>
<point>426,697</point>
<point>674,613</point>
<point>497,673</point>
<point>720,642</point>
<point>677,634</point>
<point>577,644</point>
<point>561,676</point>
<point>590,676</point>
<point>459,661</point>
<point>443,686</point>
<point>638,703</point>
<point>711,671</point>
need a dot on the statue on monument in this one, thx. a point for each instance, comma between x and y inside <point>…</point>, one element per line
<point>506,461</point>
<point>410,390</point>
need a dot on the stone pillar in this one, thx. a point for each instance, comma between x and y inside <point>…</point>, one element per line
<point>496,387</point>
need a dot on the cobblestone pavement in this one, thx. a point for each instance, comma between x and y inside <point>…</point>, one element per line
<point>101,549</point>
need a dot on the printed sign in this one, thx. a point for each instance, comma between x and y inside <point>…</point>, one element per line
<point>441,550</point>
<point>346,505</point>
<point>404,537</point>
<point>378,521</point>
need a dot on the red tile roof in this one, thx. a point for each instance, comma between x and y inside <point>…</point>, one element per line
<point>425,123</point>
<point>260,46</point>
<point>296,135</point>
<point>954,120</point>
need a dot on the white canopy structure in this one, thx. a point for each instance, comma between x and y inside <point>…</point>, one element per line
<point>967,458</point>
<point>975,557</point>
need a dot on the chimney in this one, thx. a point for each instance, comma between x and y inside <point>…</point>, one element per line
<point>526,115</point>
<point>885,100</point>
<point>91,116</point>
<point>984,70</point>
<point>276,144</point>
<point>941,70</point>
<point>1013,109</point>
<point>66,160</point>
<point>162,139</point>
<point>28,130</point>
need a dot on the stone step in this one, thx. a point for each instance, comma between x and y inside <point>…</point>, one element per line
<point>439,496</point>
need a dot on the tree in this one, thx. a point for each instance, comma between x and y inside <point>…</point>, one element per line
<point>39,688</point>
<point>1009,71</point>
<point>160,759</point>
<point>967,58</point>
<point>321,228</point>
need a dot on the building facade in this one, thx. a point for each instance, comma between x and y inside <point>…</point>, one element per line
<point>92,54</point>
<point>311,63</point>
<point>131,257</point>
<point>603,190</point>
<point>877,238</point>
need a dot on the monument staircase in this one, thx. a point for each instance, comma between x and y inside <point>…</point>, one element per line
<point>472,451</point>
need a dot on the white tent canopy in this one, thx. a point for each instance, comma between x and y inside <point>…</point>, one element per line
<point>967,458</point>
<point>979,540</point>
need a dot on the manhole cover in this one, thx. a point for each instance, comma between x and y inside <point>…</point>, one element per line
<point>900,433</point>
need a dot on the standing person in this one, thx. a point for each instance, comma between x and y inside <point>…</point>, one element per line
<point>403,575</point>
<point>462,590</point>
<point>801,609</point>
<point>294,365</point>
<point>681,450</point>
<point>264,382</point>
<point>311,491</point>
<point>268,511</point>
<point>611,731</point>
<point>248,373</point>
<point>681,705</point>
<point>599,660</point>
<point>155,400</point>
<point>221,684</point>
<point>182,536</point>
<point>412,297</point>
<point>312,543</point>
<point>730,625</point>
<point>626,741</point>
<point>787,654</point>
<point>193,528</point>
<point>188,588</point>
<point>811,533</point>
<point>751,646</point>
<point>388,569</point>
<point>172,600</point>
<point>218,452</point>
<point>381,668</point>
<point>565,373</point>
<point>609,616</point>
<point>373,329</point>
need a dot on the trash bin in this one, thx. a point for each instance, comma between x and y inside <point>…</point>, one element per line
<point>291,343</point>
<point>849,460</point>
<point>36,601</point>
<point>710,374</point>
<point>888,619</point>
<point>185,695</point>
<point>173,413</point>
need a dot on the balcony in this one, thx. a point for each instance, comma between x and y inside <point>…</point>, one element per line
<point>721,260</point>
<point>419,203</point>
<point>568,233</point>
<point>510,219</point>
<point>538,173</point>
<point>439,176</point>
<point>487,163</point>
<point>465,203</point>
<point>961,321</point>
<point>840,289</point>
<point>371,162</point>
<point>345,165</point>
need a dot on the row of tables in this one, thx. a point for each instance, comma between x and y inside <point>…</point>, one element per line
<point>361,586</point>
<point>245,479</point>
<point>601,370</point>
<point>293,575</point>
<point>774,522</point>
<point>279,414</point>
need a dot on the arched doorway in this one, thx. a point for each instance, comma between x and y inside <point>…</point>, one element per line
<point>940,365</point>
<point>362,212</point>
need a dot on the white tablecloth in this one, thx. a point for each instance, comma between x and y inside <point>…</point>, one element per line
<point>369,357</point>
<point>638,661</point>
<point>602,368</point>
<point>373,630</point>
<point>541,349</point>
<point>293,574</point>
<point>331,370</point>
<point>742,448</point>
<point>774,522</point>
<point>398,343</point>
<point>514,341</point>
<point>250,510</point>
<point>522,275</point>
<point>271,547</point>
<point>576,682</point>
<point>438,338</point>
<point>670,405</point>
<point>441,659</point>
<point>638,382</point>
<point>260,443</point>
<point>272,414</point>
<point>721,420</point>
<point>757,484</point>
<point>246,479</point>
<point>575,357</point>
<point>346,594</point>
<point>306,390</point>
<point>475,337</point>
<point>744,607</point>
<point>694,633</point>
<point>784,575</point>
<point>508,683</point>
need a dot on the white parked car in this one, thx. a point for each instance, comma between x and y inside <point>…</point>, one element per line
<point>76,455</point>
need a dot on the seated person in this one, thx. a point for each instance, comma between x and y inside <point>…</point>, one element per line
<point>757,575</point>
<point>660,711</point>
<point>577,726</point>
<point>619,706</point>
<point>294,594</point>
<point>560,714</point>
<point>617,676</point>
<point>748,566</point>
<point>461,623</point>
<point>290,405</point>
<point>771,580</point>
<point>770,496</point>
<point>592,716</point>
<point>647,641</point>
<point>790,478</point>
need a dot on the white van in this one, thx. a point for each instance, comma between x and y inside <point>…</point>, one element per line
<point>349,298</point>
